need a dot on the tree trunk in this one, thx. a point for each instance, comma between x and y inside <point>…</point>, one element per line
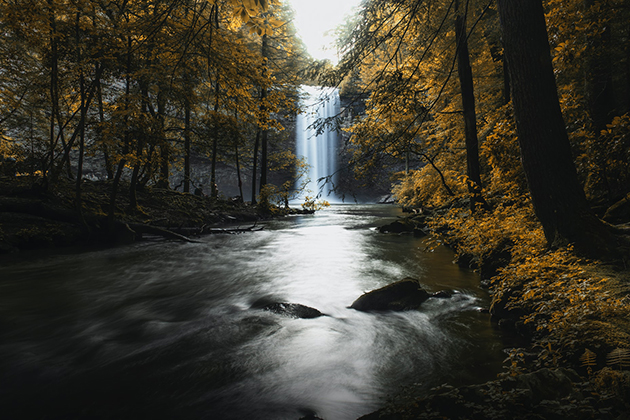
<point>54,84</point>
<point>214,190</point>
<point>559,200</point>
<point>133,183</point>
<point>599,91</point>
<point>255,166</point>
<point>101,115</point>
<point>263,159</point>
<point>265,131</point>
<point>238,173</point>
<point>125,149</point>
<point>79,180</point>
<point>164,146</point>
<point>468,105</point>
<point>187,142</point>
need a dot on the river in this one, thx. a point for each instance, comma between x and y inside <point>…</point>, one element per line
<point>170,330</point>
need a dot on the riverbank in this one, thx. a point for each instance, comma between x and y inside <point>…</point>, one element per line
<point>570,312</point>
<point>33,218</point>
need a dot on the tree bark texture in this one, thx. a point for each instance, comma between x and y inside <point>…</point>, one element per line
<point>468,106</point>
<point>559,200</point>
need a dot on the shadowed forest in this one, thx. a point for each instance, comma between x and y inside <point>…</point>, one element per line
<point>501,127</point>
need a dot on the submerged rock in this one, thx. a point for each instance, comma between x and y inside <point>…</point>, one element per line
<point>413,225</point>
<point>293,310</point>
<point>398,226</point>
<point>402,295</point>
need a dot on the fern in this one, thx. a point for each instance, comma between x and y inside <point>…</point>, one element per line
<point>619,357</point>
<point>589,358</point>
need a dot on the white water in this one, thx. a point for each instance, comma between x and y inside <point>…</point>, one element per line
<point>320,150</point>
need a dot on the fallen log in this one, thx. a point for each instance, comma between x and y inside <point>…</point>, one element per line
<point>233,230</point>
<point>184,234</point>
<point>156,230</point>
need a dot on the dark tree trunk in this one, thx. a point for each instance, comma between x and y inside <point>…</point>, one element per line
<point>165,153</point>
<point>54,86</point>
<point>133,183</point>
<point>559,200</point>
<point>101,117</point>
<point>78,186</point>
<point>238,173</point>
<point>599,92</point>
<point>214,190</point>
<point>187,142</point>
<point>255,166</point>
<point>111,213</point>
<point>264,137</point>
<point>468,105</point>
<point>263,159</point>
<point>599,89</point>
<point>135,175</point>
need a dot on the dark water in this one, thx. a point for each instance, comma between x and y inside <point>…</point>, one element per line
<point>167,330</point>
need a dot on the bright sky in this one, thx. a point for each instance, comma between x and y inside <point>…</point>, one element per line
<point>313,18</point>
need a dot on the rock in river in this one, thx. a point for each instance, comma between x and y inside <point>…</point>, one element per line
<point>293,310</point>
<point>402,295</point>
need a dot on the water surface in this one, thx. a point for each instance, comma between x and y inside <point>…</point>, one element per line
<point>168,330</point>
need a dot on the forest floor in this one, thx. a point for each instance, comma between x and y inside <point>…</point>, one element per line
<point>572,314</point>
<point>35,218</point>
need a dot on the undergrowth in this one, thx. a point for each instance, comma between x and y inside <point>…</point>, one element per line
<point>569,306</point>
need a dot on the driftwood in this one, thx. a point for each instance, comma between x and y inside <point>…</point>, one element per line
<point>205,230</point>
<point>233,230</point>
<point>183,234</point>
<point>155,230</point>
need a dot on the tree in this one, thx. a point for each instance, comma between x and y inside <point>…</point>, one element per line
<point>464,72</point>
<point>559,200</point>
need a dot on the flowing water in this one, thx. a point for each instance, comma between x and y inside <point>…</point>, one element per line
<point>170,330</point>
<point>318,144</point>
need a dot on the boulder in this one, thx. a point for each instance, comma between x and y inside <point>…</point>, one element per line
<point>402,295</point>
<point>293,310</point>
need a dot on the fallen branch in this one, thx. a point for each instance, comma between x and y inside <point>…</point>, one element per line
<point>233,230</point>
<point>155,230</point>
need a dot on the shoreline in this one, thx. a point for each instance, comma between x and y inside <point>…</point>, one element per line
<point>560,370</point>
<point>32,219</point>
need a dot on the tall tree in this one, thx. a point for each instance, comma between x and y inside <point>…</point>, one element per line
<point>559,200</point>
<point>464,72</point>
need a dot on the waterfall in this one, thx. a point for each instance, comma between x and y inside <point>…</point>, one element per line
<point>320,150</point>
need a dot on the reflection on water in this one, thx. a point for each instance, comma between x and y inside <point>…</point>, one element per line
<point>167,330</point>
